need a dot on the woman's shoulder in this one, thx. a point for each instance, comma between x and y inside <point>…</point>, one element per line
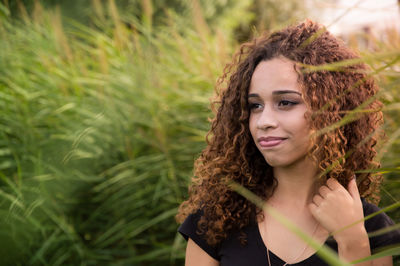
<point>379,226</point>
<point>375,215</point>
<point>231,244</point>
<point>189,229</point>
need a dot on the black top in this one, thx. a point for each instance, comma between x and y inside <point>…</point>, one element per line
<point>231,252</point>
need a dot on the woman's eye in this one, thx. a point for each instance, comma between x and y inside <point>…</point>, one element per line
<point>286,103</point>
<point>254,106</point>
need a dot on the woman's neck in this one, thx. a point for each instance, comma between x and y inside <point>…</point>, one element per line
<point>296,183</point>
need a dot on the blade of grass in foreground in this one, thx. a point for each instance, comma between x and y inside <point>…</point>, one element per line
<point>384,230</point>
<point>324,252</point>
<point>387,252</point>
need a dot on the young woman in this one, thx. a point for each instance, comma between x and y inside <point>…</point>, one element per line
<point>279,132</point>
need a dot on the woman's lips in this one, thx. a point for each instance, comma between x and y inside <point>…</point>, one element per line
<point>267,142</point>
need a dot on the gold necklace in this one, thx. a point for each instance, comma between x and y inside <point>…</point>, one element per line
<point>298,256</point>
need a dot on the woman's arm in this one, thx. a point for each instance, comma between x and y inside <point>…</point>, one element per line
<point>385,261</point>
<point>196,256</point>
<point>356,247</point>
<point>353,244</point>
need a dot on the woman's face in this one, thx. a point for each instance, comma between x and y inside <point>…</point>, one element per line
<point>277,123</point>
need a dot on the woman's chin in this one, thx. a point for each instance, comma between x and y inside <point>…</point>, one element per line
<point>286,162</point>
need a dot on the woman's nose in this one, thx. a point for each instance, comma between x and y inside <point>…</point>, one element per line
<point>267,119</point>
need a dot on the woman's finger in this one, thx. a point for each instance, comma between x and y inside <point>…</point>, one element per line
<point>324,190</point>
<point>333,184</point>
<point>317,199</point>
<point>353,189</point>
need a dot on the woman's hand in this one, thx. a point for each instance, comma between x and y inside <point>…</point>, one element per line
<point>335,208</point>
<point>338,210</point>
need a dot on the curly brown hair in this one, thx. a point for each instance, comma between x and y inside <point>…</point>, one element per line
<point>343,108</point>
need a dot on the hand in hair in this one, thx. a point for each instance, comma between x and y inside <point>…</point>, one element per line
<point>336,208</point>
<point>340,212</point>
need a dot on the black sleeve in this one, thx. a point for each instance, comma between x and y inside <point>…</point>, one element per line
<point>376,223</point>
<point>188,229</point>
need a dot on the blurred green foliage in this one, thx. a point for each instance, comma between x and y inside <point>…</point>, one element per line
<point>104,108</point>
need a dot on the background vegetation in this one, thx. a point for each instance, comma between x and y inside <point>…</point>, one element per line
<point>105,106</point>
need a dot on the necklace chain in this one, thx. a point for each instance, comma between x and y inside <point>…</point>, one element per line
<point>298,256</point>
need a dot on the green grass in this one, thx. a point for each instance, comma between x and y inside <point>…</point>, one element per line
<point>99,129</point>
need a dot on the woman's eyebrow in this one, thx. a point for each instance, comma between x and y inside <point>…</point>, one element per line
<point>253,95</point>
<point>280,92</point>
<point>285,92</point>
